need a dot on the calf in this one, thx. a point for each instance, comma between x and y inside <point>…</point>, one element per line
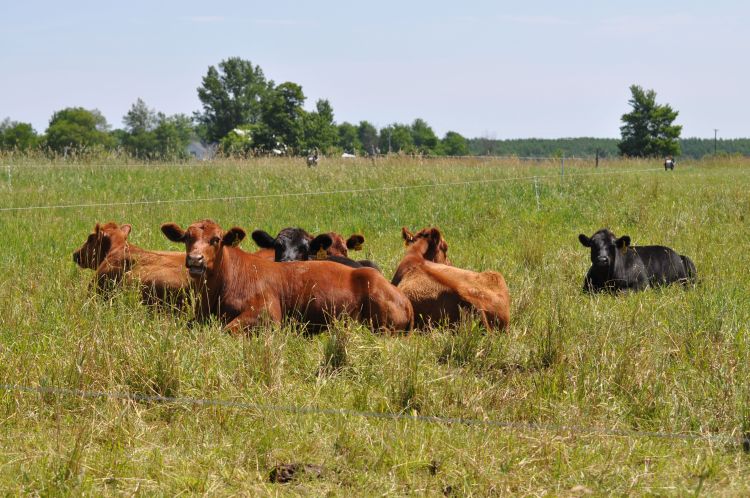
<point>239,287</point>
<point>438,291</point>
<point>161,275</point>
<point>618,266</point>
<point>295,244</point>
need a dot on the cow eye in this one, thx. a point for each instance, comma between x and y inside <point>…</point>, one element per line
<point>215,241</point>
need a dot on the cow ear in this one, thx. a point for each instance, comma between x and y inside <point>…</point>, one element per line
<point>97,228</point>
<point>355,242</point>
<point>104,246</point>
<point>263,239</point>
<point>407,235</point>
<point>125,229</point>
<point>233,237</point>
<point>173,232</point>
<point>435,236</point>
<point>623,242</point>
<point>319,245</point>
<point>585,241</point>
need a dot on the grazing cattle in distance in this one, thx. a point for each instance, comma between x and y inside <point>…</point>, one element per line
<point>669,163</point>
<point>438,291</point>
<point>240,288</point>
<point>161,275</point>
<point>618,266</point>
<point>312,159</point>
<point>295,244</point>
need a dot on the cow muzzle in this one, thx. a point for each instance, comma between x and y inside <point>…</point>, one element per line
<point>196,265</point>
<point>602,261</point>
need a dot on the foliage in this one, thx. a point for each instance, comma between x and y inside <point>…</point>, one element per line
<point>320,128</point>
<point>648,130</point>
<point>368,135</point>
<point>231,96</point>
<point>282,117</point>
<point>348,139</point>
<point>77,128</point>
<point>153,135</point>
<point>397,138</point>
<point>17,136</point>
<point>454,144</point>
<point>424,138</point>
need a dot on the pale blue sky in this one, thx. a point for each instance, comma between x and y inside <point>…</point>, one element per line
<point>498,69</point>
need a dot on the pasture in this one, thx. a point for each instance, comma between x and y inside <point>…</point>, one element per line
<point>583,381</point>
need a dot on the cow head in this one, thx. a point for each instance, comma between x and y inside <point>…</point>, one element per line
<point>430,243</point>
<point>604,246</point>
<point>101,242</point>
<point>204,241</point>
<point>291,244</point>
<point>295,244</point>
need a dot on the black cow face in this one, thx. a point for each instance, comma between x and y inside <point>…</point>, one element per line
<point>604,246</point>
<point>291,244</point>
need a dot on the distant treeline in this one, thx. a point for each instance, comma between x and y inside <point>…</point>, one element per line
<point>588,147</point>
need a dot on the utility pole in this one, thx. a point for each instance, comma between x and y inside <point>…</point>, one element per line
<point>716,130</point>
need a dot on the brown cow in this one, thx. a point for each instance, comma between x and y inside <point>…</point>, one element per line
<point>240,287</point>
<point>437,291</point>
<point>161,274</point>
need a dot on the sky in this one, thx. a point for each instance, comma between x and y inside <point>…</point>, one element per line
<point>495,69</point>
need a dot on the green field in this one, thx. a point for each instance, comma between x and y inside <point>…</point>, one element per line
<point>584,380</point>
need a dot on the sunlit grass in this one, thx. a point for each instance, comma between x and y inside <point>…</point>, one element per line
<point>669,359</point>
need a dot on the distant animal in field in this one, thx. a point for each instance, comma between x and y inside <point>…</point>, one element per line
<point>669,163</point>
<point>240,288</point>
<point>439,291</point>
<point>618,266</point>
<point>295,244</point>
<point>161,275</point>
<point>312,159</point>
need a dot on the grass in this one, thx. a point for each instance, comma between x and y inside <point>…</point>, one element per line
<point>668,359</point>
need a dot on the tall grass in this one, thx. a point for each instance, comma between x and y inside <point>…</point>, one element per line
<point>673,359</point>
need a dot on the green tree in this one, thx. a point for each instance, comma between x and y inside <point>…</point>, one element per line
<point>424,138</point>
<point>173,135</point>
<point>648,130</point>
<point>349,138</point>
<point>397,138</point>
<point>78,128</point>
<point>368,136</point>
<point>454,144</point>
<point>153,135</point>
<point>282,117</point>
<point>231,96</point>
<point>17,136</point>
<point>320,128</point>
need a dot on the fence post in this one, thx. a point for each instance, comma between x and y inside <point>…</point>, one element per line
<point>562,166</point>
<point>597,158</point>
<point>536,191</point>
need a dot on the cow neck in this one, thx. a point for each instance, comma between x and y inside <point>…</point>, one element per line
<point>118,260</point>
<point>223,276</point>
<point>413,258</point>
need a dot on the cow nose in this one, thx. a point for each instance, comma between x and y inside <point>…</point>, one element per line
<point>194,260</point>
<point>602,259</point>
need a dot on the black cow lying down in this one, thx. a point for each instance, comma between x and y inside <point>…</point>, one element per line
<point>295,244</point>
<point>618,266</point>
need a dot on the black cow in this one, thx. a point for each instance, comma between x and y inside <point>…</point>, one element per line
<point>618,266</point>
<point>295,244</point>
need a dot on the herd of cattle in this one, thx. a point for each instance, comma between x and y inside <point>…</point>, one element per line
<point>313,279</point>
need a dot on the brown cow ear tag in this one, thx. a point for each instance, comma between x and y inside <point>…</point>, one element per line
<point>236,242</point>
<point>321,254</point>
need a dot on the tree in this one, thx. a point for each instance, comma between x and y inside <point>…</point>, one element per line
<point>78,128</point>
<point>17,136</point>
<point>320,128</point>
<point>349,138</point>
<point>173,135</point>
<point>648,130</point>
<point>397,138</point>
<point>424,138</point>
<point>140,118</point>
<point>231,96</point>
<point>453,144</point>
<point>282,117</point>
<point>150,134</point>
<point>368,135</point>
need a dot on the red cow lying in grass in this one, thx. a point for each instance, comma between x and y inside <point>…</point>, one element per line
<point>161,275</point>
<point>437,291</point>
<point>295,244</point>
<point>240,287</point>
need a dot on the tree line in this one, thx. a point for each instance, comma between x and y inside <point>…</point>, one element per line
<point>244,114</point>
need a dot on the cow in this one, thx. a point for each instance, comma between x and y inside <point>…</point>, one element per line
<point>161,275</point>
<point>669,163</point>
<point>618,266</point>
<point>295,244</point>
<point>438,290</point>
<point>240,288</point>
